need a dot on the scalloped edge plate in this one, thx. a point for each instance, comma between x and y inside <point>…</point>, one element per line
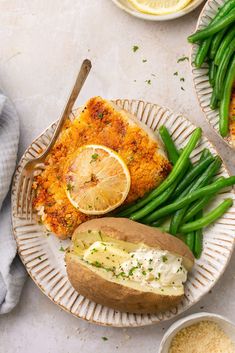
<point>39,251</point>
<point>127,7</point>
<point>200,76</point>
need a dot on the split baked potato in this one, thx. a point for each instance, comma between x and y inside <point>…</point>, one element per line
<point>128,266</point>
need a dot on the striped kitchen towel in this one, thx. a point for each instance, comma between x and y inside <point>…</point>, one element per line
<point>12,272</point>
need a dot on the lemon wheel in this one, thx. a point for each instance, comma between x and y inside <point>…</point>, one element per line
<point>159,7</point>
<point>97,180</point>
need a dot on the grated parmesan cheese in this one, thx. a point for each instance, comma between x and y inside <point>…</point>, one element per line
<point>203,337</point>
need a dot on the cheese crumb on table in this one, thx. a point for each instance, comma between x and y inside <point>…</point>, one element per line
<point>203,337</point>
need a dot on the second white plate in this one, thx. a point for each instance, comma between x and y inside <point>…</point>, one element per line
<point>126,6</point>
<point>200,76</point>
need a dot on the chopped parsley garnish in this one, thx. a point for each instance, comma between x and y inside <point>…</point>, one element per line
<point>94,157</point>
<point>182,79</point>
<point>148,82</point>
<point>93,250</point>
<point>39,258</point>
<point>150,269</point>
<point>159,275</point>
<point>100,115</point>
<point>183,58</point>
<point>135,48</point>
<point>144,273</point>
<point>182,88</point>
<point>150,261</point>
<point>164,258</point>
<point>122,274</point>
<point>130,273</point>
<point>96,264</point>
<point>104,338</point>
<point>176,73</point>
<point>61,248</point>
<point>69,187</point>
<point>144,60</point>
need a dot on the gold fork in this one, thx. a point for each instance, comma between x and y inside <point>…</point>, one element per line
<point>24,194</point>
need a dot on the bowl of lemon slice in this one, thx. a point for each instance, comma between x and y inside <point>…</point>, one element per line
<point>157,10</point>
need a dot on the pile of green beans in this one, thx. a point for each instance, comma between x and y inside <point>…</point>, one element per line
<point>181,198</point>
<point>217,48</point>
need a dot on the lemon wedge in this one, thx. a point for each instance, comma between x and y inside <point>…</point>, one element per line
<point>159,7</point>
<point>97,180</point>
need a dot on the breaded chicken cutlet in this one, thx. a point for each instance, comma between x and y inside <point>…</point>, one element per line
<point>104,123</point>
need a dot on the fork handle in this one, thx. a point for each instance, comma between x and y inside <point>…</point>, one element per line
<point>80,80</point>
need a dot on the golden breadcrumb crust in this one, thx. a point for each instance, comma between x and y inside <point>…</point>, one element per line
<point>98,123</point>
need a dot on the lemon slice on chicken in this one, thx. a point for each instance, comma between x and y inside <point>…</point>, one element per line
<point>159,7</point>
<point>97,180</point>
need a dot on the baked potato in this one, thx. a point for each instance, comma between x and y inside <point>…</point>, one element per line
<point>128,266</point>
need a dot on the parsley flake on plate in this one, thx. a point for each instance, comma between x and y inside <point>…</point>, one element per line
<point>135,48</point>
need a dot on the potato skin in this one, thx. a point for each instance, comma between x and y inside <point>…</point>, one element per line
<point>114,295</point>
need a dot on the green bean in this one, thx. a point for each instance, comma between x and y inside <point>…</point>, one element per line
<point>214,100</point>
<point>152,205</point>
<point>204,47</point>
<point>172,151</point>
<point>222,69</point>
<point>176,171</point>
<point>197,194</point>
<point>209,218</point>
<point>216,42</point>
<point>197,207</point>
<point>158,223</point>
<point>192,174</point>
<point>212,73</point>
<point>189,240</point>
<point>204,154</point>
<point>225,102</point>
<point>201,181</point>
<point>176,220</point>
<point>214,28</point>
<point>225,43</point>
<point>197,250</point>
<point>202,52</point>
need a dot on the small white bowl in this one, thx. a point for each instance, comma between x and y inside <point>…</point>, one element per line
<point>126,6</point>
<point>225,324</point>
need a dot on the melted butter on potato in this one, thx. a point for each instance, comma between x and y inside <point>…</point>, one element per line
<point>108,255</point>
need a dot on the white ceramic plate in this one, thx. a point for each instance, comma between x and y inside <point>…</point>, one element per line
<point>45,263</point>
<point>126,6</point>
<point>200,76</point>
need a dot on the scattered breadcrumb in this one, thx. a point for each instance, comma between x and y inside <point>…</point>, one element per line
<point>203,337</point>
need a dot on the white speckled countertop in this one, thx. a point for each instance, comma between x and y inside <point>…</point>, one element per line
<point>42,44</point>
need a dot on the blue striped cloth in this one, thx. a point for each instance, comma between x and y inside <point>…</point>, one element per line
<point>12,272</point>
